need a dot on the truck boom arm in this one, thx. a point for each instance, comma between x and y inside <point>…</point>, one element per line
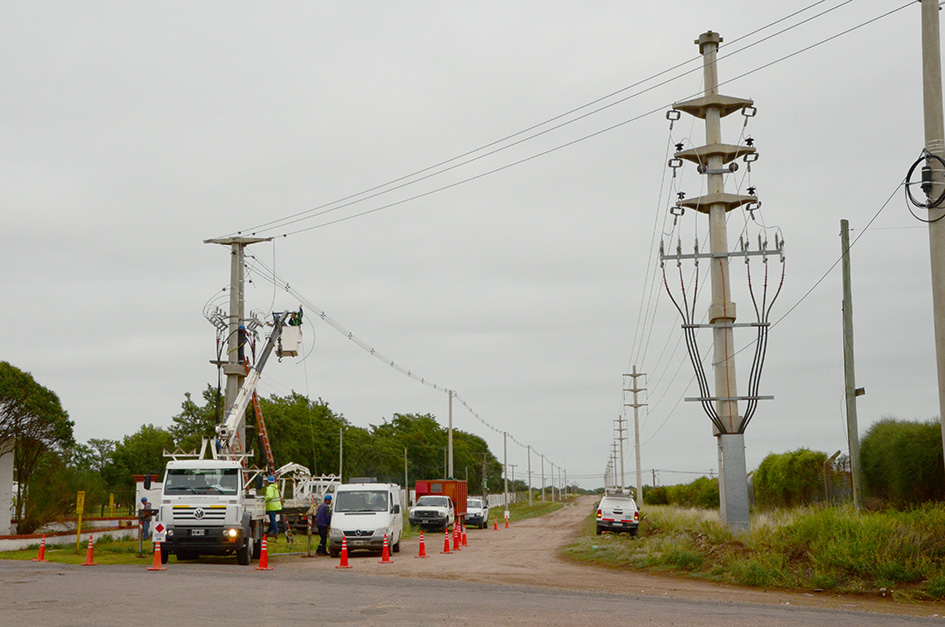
<point>228,430</point>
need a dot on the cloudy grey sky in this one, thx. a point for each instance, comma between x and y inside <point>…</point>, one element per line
<point>131,132</point>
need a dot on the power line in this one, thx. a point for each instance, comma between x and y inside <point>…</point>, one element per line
<point>404,181</point>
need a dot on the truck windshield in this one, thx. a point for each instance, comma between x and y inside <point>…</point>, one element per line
<point>434,501</point>
<point>361,501</point>
<point>202,481</point>
<point>474,503</point>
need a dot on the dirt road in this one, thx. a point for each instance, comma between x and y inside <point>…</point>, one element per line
<point>527,554</point>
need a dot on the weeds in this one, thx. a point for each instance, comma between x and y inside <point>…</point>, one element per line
<point>890,553</point>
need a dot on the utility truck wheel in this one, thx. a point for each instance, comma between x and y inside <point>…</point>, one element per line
<point>396,547</point>
<point>244,553</point>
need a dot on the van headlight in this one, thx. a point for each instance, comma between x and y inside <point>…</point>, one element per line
<point>334,533</point>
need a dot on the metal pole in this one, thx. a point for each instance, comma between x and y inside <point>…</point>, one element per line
<point>542,478</point>
<point>341,452</point>
<point>935,144</point>
<point>849,377</point>
<point>449,473</point>
<point>406,481</point>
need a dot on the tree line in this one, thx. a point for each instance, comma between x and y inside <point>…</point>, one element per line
<point>51,466</point>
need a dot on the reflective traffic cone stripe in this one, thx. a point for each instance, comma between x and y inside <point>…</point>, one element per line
<point>263,557</point>
<point>156,565</point>
<point>462,535</point>
<point>344,554</point>
<point>446,541</point>
<point>41,556</point>
<point>385,553</point>
<point>423,550</point>
<point>89,559</point>
<point>455,537</point>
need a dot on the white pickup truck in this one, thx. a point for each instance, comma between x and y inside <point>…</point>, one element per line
<point>207,510</point>
<point>432,511</point>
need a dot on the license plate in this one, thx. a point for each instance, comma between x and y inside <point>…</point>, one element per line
<point>616,524</point>
<point>196,532</point>
<point>358,542</point>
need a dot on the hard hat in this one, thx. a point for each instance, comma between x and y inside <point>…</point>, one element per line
<point>144,499</point>
<point>327,497</point>
<point>271,479</point>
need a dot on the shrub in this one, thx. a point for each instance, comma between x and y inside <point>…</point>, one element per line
<point>902,462</point>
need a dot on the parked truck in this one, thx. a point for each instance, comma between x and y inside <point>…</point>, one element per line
<point>434,512</point>
<point>216,506</point>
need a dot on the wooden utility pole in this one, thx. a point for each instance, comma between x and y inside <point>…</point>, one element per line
<point>850,389</point>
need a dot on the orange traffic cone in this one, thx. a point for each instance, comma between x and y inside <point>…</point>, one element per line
<point>455,537</point>
<point>506,520</point>
<point>462,534</point>
<point>41,556</point>
<point>495,523</point>
<point>89,559</point>
<point>344,554</point>
<point>446,541</point>
<point>156,565</point>
<point>423,550</point>
<point>385,553</point>
<point>263,557</point>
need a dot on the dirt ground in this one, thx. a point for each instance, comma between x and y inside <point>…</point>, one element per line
<point>527,554</point>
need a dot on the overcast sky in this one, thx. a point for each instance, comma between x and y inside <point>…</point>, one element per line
<point>130,132</point>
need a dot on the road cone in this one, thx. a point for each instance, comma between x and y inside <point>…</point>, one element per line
<point>89,559</point>
<point>344,554</point>
<point>263,557</point>
<point>41,556</point>
<point>156,565</point>
<point>495,523</point>
<point>455,537</point>
<point>506,520</point>
<point>385,553</point>
<point>423,549</point>
<point>446,541</point>
<point>462,533</point>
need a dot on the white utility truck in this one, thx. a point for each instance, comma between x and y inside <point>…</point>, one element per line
<point>363,514</point>
<point>216,506</point>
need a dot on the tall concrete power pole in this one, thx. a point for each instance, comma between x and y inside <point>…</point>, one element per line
<point>636,404</point>
<point>849,376</point>
<point>935,145</point>
<point>234,370</point>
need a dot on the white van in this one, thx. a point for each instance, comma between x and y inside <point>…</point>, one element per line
<point>362,513</point>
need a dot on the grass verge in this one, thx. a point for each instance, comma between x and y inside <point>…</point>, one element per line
<point>891,553</point>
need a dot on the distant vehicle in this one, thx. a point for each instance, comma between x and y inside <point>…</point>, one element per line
<point>477,513</point>
<point>455,489</point>
<point>433,511</point>
<point>618,513</point>
<point>362,513</point>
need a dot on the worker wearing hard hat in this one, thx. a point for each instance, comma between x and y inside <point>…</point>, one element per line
<point>323,521</point>
<point>273,505</point>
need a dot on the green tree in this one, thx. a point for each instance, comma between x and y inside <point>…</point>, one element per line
<point>902,461</point>
<point>789,479</point>
<point>33,421</point>
<point>137,454</point>
<point>196,422</point>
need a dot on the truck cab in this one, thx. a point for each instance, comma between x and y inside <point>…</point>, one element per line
<point>207,509</point>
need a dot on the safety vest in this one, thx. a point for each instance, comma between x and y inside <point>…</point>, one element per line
<point>273,501</point>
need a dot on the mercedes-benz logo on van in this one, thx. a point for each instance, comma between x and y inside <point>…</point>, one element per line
<point>198,513</point>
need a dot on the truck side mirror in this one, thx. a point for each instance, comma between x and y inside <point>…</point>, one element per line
<point>147,481</point>
<point>397,509</point>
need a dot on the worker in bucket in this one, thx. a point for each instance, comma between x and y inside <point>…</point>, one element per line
<point>273,505</point>
<point>323,521</point>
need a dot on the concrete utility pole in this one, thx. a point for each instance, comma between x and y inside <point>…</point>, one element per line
<point>712,107</point>
<point>620,439</point>
<point>529,475</point>
<point>636,404</point>
<point>234,370</point>
<point>449,472</point>
<point>935,145</point>
<point>505,468</point>
<point>850,389</point>
<point>406,481</point>
<point>542,478</point>
<point>341,451</point>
